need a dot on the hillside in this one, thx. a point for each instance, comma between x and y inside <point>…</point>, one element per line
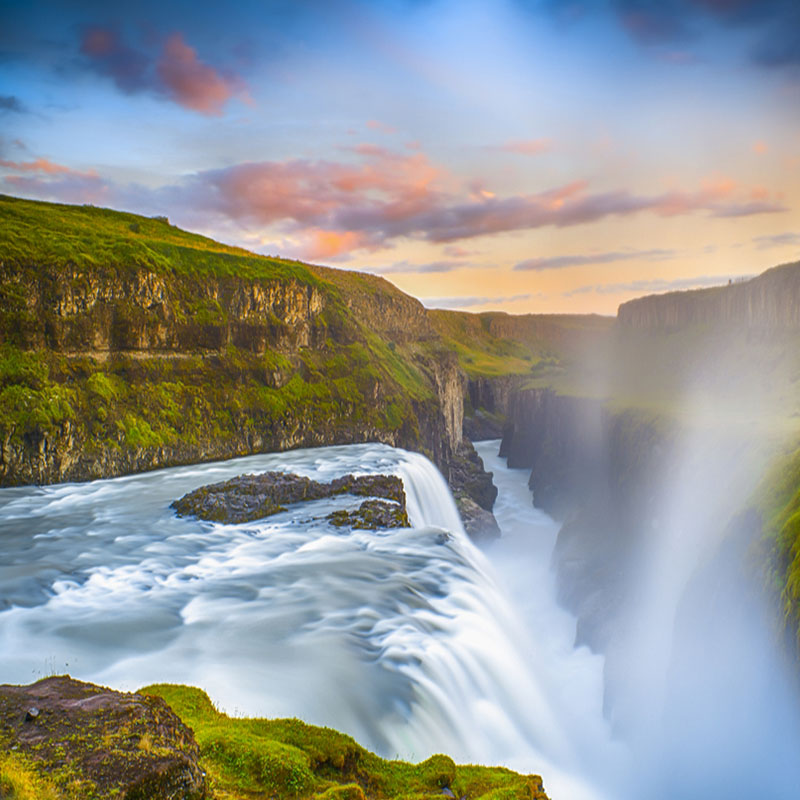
<point>128,344</point>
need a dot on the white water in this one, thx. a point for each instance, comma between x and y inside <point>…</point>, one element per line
<point>411,640</point>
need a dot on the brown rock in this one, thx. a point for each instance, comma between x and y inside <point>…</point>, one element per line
<point>109,743</point>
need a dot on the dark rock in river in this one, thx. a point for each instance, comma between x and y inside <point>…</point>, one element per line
<point>479,524</point>
<point>251,497</point>
<point>468,477</point>
<point>94,742</point>
<point>371,515</point>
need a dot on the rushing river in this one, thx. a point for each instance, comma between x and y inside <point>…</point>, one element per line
<point>411,640</point>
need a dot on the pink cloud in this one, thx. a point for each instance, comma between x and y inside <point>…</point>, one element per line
<point>189,82</point>
<point>376,125</point>
<point>527,147</point>
<point>177,73</point>
<point>332,208</point>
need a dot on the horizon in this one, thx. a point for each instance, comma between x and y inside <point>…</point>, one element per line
<point>516,157</point>
<point>612,315</point>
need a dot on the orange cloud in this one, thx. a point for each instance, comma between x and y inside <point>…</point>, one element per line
<point>760,147</point>
<point>43,165</point>
<point>326,245</point>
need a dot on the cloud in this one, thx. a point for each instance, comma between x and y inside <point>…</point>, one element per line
<point>84,187</point>
<point>43,165</point>
<point>11,103</point>
<point>527,147</point>
<point>559,262</point>
<point>109,55</point>
<point>777,240</point>
<point>332,245</point>
<point>656,285</point>
<point>774,24</point>
<point>189,82</point>
<point>331,208</point>
<point>177,74</point>
<point>468,302</point>
<point>427,268</point>
<point>376,125</point>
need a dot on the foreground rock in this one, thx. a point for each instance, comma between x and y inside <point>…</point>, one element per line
<point>89,741</point>
<point>371,515</point>
<point>480,525</point>
<point>251,497</point>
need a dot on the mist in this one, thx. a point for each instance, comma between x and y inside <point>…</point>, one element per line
<point>698,682</point>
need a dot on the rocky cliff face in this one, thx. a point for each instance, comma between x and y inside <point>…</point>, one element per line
<point>105,311</point>
<point>597,472</point>
<point>114,333</point>
<point>129,345</point>
<point>770,301</point>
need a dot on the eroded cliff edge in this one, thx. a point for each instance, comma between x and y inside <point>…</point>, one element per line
<point>127,344</point>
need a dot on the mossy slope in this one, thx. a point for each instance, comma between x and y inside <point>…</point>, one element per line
<point>127,344</point>
<point>285,758</point>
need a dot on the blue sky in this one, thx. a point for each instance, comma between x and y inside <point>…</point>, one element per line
<point>526,156</point>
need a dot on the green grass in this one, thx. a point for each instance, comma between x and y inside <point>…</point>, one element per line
<point>286,758</point>
<point>19,780</point>
<point>778,501</point>
<point>60,235</point>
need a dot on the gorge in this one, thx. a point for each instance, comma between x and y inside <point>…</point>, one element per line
<point>658,659</point>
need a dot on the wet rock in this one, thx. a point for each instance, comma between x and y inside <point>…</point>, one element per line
<point>371,515</point>
<point>251,497</point>
<point>95,742</point>
<point>480,525</point>
<point>468,477</point>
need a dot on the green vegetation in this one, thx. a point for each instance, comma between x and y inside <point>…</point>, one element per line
<point>19,780</point>
<point>60,235</point>
<point>285,758</point>
<point>134,344</point>
<point>489,345</point>
<point>778,501</point>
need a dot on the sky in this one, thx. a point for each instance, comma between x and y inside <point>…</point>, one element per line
<point>518,155</point>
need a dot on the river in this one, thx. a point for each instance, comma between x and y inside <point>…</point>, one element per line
<point>413,641</point>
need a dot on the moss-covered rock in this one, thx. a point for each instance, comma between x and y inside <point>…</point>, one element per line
<point>250,497</point>
<point>371,515</point>
<point>66,739</point>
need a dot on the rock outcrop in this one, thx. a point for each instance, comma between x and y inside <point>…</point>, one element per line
<point>251,497</point>
<point>90,741</point>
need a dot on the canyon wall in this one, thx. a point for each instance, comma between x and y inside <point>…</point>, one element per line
<point>769,301</point>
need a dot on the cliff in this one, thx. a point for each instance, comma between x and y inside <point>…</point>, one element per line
<point>127,344</point>
<point>769,301</point>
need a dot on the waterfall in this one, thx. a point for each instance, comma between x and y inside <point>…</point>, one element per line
<point>408,639</point>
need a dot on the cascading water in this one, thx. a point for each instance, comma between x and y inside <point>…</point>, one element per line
<point>411,640</point>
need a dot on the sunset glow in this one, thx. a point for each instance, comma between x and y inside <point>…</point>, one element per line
<point>493,155</point>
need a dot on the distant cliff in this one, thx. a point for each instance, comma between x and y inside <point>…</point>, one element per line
<point>769,301</point>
